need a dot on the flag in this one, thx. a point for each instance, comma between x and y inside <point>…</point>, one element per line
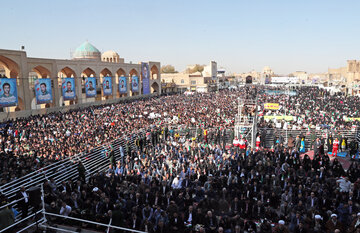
<point>22,135</point>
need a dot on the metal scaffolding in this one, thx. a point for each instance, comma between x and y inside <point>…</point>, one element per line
<point>246,119</point>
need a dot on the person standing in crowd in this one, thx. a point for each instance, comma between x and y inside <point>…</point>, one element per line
<point>317,146</point>
<point>23,196</point>
<point>335,147</point>
<point>330,143</point>
<point>297,143</point>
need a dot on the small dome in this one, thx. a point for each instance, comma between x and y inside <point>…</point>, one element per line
<point>87,51</point>
<point>110,56</point>
<point>110,53</point>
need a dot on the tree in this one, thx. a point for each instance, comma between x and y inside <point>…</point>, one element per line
<point>168,69</point>
<point>196,68</point>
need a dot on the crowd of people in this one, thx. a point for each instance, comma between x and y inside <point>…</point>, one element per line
<point>184,184</point>
<point>313,108</point>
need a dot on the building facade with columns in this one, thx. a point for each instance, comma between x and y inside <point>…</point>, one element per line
<point>347,77</point>
<point>87,61</point>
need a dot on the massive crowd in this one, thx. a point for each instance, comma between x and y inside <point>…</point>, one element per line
<point>177,184</point>
<point>314,107</point>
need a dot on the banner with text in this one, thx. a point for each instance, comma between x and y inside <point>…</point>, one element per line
<point>122,85</point>
<point>43,91</point>
<point>68,88</point>
<point>90,87</point>
<point>135,84</point>
<point>286,118</point>
<point>107,86</point>
<point>271,106</point>
<point>145,73</point>
<point>8,92</point>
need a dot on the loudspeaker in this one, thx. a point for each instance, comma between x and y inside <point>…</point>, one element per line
<point>34,196</point>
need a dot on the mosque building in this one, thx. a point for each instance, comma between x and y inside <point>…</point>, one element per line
<point>86,62</point>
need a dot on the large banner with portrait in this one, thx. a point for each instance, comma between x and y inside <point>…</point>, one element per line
<point>122,85</point>
<point>90,87</point>
<point>107,86</point>
<point>145,73</point>
<point>68,89</point>
<point>135,83</point>
<point>8,92</point>
<point>43,91</point>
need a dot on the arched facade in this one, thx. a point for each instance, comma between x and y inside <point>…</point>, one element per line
<point>16,64</point>
<point>10,66</point>
<point>154,72</point>
<point>155,88</point>
<point>11,69</point>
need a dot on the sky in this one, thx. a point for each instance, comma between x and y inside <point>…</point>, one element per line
<point>239,35</point>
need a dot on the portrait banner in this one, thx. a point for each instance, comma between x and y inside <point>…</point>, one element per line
<point>135,84</point>
<point>122,85</point>
<point>107,86</point>
<point>145,74</point>
<point>8,92</point>
<point>43,91</point>
<point>90,87</point>
<point>68,89</point>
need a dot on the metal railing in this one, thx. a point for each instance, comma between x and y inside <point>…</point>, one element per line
<point>43,220</point>
<point>63,170</point>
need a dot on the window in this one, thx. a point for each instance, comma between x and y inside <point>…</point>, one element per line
<point>193,82</point>
<point>182,81</point>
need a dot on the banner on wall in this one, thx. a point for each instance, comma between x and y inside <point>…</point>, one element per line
<point>145,74</point>
<point>90,87</point>
<point>135,84</point>
<point>68,88</point>
<point>107,86</point>
<point>271,106</point>
<point>8,92</point>
<point>43,91</point>
<point>122,85</point>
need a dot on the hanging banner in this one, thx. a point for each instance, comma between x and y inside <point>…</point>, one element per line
<point>90,87</point>
<point>107,86</point>
<point>8,92</point>
<point>135,84</point>
<point>145,74</point>
<point>68,88</point>
<point>347,119</point>
<point>286,118</point>
<point>122,84</point>
<point>271,106</point>
<point>43,91</point>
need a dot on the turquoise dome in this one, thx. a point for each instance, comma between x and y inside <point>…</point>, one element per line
<point>87,51</point>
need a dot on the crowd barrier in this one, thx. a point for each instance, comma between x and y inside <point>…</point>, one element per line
<point>62,170</point>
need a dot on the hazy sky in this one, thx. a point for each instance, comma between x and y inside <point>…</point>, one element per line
<point>240,35</point>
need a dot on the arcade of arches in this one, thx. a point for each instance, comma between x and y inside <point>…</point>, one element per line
<point>26,70</point>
